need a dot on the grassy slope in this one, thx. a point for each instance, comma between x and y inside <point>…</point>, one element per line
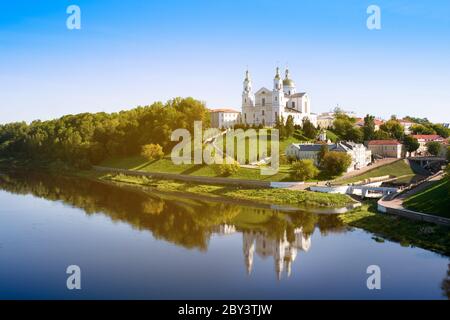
<point>396,169</point>
<point>166,165</point>
<point>332,136</point>
<point>406,232</point>
<point>278,196</point>
<point>434,200</point>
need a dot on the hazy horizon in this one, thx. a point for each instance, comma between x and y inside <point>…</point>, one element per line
<point>139,52</point>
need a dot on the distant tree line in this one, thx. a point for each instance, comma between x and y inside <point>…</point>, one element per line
<point>85,139</point>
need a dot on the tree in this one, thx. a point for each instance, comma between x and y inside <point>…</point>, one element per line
<point>369,127</point>
<point>290,129</point>
<point>355,134</point>
<point>308,129</point>
<point>434,148</point>
<point>441,130</point>
<point>381,135</point>
<point>344,127</point>
<point>323,151</point>
<point>279,124</point>
<point>303,170</point>
<point>394,128</point>
<point>422,129</point>
<point>411,144</point>
<point>448,154</point>
<point>336,163</point>
<point>152,152</point>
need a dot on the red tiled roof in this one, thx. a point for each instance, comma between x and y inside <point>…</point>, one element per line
<point>224,110</point>
<point>432,137</point>
<point>384,143</point>
<point>377,122</point>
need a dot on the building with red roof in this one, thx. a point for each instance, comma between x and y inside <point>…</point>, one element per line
<point>423,139</point>
<point>224,118</point>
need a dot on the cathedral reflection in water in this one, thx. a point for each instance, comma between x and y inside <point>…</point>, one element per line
<point>282,251</point>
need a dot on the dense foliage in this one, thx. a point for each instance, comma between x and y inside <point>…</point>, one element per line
<point>152,152</point>
<point>344,127</point>
<point>434,148</point>
<point>302,170</point>
<point>335,163</point>
<point>228,169</point>
<point>411,144</point>
<point>85,139</point>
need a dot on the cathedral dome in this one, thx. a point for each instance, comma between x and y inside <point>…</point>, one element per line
<point>288,83</point>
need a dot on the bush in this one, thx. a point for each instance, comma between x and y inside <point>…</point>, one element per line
<point>434,148</point>
<point>152,152</point>
<point>303,170</point>
<point>335,163</point>
<point>228,169</point>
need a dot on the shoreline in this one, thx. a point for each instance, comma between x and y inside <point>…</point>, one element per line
<point>397,229</point>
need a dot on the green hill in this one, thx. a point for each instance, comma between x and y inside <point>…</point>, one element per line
<point>433,200</point>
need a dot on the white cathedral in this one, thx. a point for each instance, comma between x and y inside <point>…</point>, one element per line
<point>265,106</point>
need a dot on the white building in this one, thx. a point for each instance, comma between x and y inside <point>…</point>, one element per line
<point>386,148</point>
<point>224,118</point>
<point>265,106</point>
<point>360,155</point>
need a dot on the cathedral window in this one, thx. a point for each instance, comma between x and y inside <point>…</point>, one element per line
<point>263,102</point>
<point>293,104</point>
<point>262,112</point>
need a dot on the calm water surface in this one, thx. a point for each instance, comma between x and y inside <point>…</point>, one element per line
<point>140,245</point>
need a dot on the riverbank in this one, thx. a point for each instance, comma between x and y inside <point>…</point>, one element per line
<point>402,230</point>
<point>265,195</point>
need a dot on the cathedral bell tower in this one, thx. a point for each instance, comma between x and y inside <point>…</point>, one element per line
<point>277,97</point>
<point>248,98</point>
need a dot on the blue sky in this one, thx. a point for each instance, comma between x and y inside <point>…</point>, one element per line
<point>131,53</point>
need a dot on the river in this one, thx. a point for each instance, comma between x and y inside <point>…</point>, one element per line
<point>131,244</point>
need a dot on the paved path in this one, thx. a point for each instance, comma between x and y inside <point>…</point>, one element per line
<point>395,206</point>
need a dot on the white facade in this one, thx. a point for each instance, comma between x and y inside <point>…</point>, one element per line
<point>224,118</point>
<point>386,148</point>
<point>265,106</point>
<point>359,154</point>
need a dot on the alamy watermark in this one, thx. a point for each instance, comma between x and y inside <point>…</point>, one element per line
<point>204,148</point>
<point>374,280</point>
<point>374,20</point>
<point>73,21</point>
<point>74,280</point>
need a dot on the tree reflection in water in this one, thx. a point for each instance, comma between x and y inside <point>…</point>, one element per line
<point>183,221</point>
